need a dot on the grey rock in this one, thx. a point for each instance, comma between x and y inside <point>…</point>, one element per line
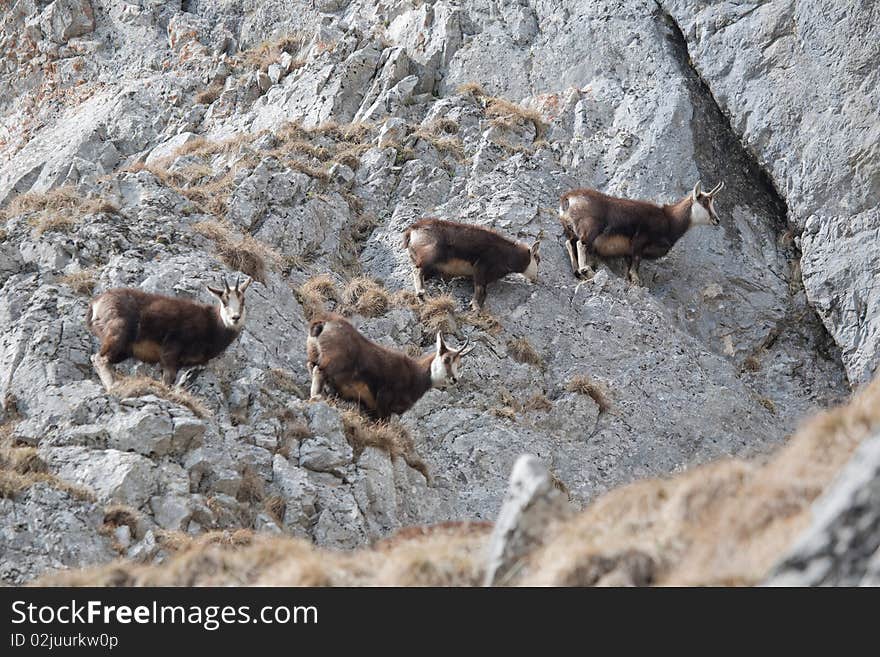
<point>841,545</point>
<point>44,529</point>
<point>167,148</point>
<point>532,502</point>
<point>64,19</point>
<point>114,476</point>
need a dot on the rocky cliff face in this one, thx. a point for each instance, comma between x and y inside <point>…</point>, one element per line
<point>164,145</point>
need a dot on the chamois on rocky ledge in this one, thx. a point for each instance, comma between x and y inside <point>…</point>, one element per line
<point>449,249</point>
<point>380,380</point>
<point>596,224</point>
<point>155,328</point>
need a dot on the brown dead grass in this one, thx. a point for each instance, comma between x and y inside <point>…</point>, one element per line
<point>365,297</point>
<point>597,391</point>
<point>725,523</point>
<point>252,488</point>
<point>471,88</point>
<point>510,115</point>
<point>243,253</point>
<point>210,94</point>
<point>81,282</point>
<point>522,351</point>
<point>58,210</point>
<point>438,314</point>
<point>138,386</point>
<point>21,467</point>
<point>265,54</point>
<point>315,293</point>
<point>389,436</point>
<point>448,555</point>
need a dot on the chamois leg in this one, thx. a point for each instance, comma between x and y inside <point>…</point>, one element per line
<point>105,372</point>
<point>585,268</point>
<point>572,256</point>
<point>419,282</point>
<point>168,361</point>
<point>479,293</point>
<point>317,383</point>
<point>632,270</point>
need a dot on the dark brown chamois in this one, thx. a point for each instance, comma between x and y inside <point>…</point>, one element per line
<point>596,224</point>
<point>381,380</point>
<point>154,328</point>
<point>449,249</point>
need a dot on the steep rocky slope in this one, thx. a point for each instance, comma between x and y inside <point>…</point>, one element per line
<point>163,145</point>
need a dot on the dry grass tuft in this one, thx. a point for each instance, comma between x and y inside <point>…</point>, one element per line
<point>522,351</point>
<point>21,467</point>
<point>58,210</point>
<point>117,515</point>
<point>138,386</point>
<point>314,293</point>
<point>438,314</point>
<point>538,402</point>
<point>584,385</point>
<point>275,506</point>
<point>243,253</point>
<point>471,88</point>
<point>510,115</point>
<point>365,297</point>
<point>212,93</point>
<point>389,436</point>
<point>81,282</point>
<point>751,364</point>
<point>262,56</point>
<point>252,488</point>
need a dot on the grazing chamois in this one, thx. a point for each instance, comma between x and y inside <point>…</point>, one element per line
<point>449,249</point>
<point>154,328</point>
<point>381,380</point>
<point>596,224</point>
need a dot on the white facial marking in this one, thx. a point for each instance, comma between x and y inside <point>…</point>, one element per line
<point>232,312</point>
<point>699,215</point>
<point>438,372</point>
<point>531,272</point>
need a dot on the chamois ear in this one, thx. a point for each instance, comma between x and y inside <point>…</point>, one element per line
<point>441,346</point>
<point>697,190</point>
<point>244,286</point>
<point>215,291</point>
<point>536,248</point>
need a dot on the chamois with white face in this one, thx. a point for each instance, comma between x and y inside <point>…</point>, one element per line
<point>380,380</point>
<point>155,328</point>
<point>596,224</point>
<point>449,249</point>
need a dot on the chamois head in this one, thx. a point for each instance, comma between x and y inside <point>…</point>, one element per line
<point>531,272</point>
<point>231,303</point>
<point>446,361</point>
<point>703,205</point>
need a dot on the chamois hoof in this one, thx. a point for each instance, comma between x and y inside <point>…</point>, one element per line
<point>316,398</point>
<point>585,273</point>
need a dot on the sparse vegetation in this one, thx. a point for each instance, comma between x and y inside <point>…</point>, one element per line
<point>209,95</point>
<point>366,297</point>
<point>252,488</point>
<point>522,351</point>
<point>597,391</point>
<point>389,436</point>
<point>265,54</point>
<point>275,507</point>
<point>471,88</point>
<point>438,314</point>
<point>725,523</point>
<point>314,293</point>
<point>82,282</point>
<point>243,253</point>
<point>21,467</point>
<point>538,402</point>
<point>58,210</point>
<point>510,115</point>
<point>138,386</point>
